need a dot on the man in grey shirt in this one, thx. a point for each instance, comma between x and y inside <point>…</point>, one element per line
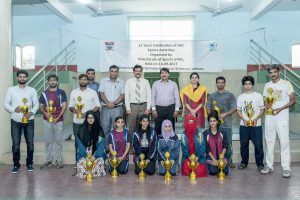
<point>227,104</point>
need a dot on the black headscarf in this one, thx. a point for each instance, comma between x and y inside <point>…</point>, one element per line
<point>89,134</point>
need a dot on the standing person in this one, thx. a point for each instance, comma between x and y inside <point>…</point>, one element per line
<point>53,130</point>
<point>112,95</point>
<point>250,108</point>
<point>226,101</point>
<point>17,97</point>
<point>278,123</point>
<point>90,72</point>
<point>86,97</point>
<point>193,98</point>
<point>165,100</point>
<point>137,97</point>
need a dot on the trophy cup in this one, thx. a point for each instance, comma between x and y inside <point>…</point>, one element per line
<point>218,110</point>
<point>167,164</point>
<point>114,162</point>
<point>142,165</point>
<point>24,110</point>
<point>89,166</point>
<point>270,99</point>
<point>79,106</point>
<point>51,109</point>
<point>221,166</point>
<point>192,165</point>
<point>249,112</point>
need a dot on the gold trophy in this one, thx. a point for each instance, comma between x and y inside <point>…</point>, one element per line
<point>89,166</point>
<point>249,112</point>
<point>167,164</point>
<point>79,106</point>
<point>114,162</point>
<point>221,166</point>
<point>192,165</point>
<point>24,110</point>
<point>51,109</point>
<point>218,110</point>
<point>142,165</point>
<point>270,99</point>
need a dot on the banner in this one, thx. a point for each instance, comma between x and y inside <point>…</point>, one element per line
<point>178,56</point>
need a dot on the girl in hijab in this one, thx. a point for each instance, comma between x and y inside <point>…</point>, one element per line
<point>90,139</point>
<point>193,142</point>
<point>144,142</point>
<point>168,142</point>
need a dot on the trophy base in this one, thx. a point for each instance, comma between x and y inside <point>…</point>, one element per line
<point>114,174</point>
<point>89,177</point>
<point>221,175</point>
<point>193,177</point>
<point>142,175</point>
<point>168,176</point>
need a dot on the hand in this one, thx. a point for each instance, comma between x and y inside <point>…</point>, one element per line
<point>222,116</point>
<point>55,120</point>
<point>110,105</point>
<point>18,109</point>
<point>47,115</point>
<point>215,162</point>
<point>83,115</point>
<point>175,114</point>
<point>128,112</point>
<point>147,111</point>
<point>154,114</point>
<point>120,159</point>
<point>28,115</point>
<point>277,110</point>
<point>268,106</point>
<point>255,122</point>
<point>147,161</point>
<point>193,112</point>
<point>245,122</point>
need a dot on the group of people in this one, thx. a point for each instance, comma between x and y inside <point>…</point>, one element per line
<point>99,123</point>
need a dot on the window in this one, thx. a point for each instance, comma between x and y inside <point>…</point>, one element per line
<point>161,28</point>
<point>25,57</point>
<point>18,56</point>
<point>296,55</point>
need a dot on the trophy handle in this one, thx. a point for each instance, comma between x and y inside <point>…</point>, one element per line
<point>162,162</point>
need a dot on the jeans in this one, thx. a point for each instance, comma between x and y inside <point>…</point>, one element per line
<point>16,132</point>
<point>75,132</point>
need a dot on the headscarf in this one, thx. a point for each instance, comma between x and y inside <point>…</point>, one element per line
<point>190,130</point>
<point>88,134</point>
<point>139,129</point>
<point>167,135</point>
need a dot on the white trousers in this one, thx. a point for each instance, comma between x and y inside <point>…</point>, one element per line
<point>273,126</point>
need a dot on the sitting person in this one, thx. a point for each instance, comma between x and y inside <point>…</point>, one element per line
<point>119,141</point>
<point>144,141</point>
<point>90,138</point>
<point>216,145</point>
<point>193,142</point>
<point>168,142</point>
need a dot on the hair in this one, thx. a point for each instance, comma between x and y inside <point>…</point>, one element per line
<point>52,76</point>
<point>220,78</point>
<point>114,67</point>
<point>164,69</point>
<point>214,114</point>
<point>137,67</point>
<point>248,78</point>
<point>274,66</point>
<point>140,131</point>
<point>119,117</point>
<point>83,76</point>
<point>194,73</point>
<point>22,71</point>
<point>90,70</point>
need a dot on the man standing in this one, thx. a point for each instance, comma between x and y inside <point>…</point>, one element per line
<point>57,99</point>
<point>165,100</point>
<point>226,102</point>
<point>278,120</point>
<point>111,94</point>
<point>82,100</point>
<point>250,108</point>
<point>21,102</point>
<point>137,97</point>
<point>91,79</point>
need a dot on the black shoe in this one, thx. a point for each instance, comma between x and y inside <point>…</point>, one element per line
<point>29,168</point>
<point>260,168</point>
<point>242,166</point>
<point>15,169</point>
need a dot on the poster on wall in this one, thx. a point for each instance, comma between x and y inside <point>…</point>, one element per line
<point>178,56</point>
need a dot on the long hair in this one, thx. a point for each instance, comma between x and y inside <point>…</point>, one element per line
<point>140,130</point>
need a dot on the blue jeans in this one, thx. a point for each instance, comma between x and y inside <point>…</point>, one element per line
<point>228,132</point>
<point>16,132</point>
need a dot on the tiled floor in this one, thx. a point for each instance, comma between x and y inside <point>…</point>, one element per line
<point>60,184</point>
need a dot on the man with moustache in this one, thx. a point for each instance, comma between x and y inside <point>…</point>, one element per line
<point>53,130</point>
<point>90,101</point>
<point>16,97</point>
<point>278,122</point>
<point>164,100</point>
<point>90,72</point>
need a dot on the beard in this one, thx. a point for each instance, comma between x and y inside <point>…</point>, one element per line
<point>53,85</point>
<point>22,82</point>
<point>83,84</point>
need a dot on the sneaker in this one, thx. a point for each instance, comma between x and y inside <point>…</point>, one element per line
<point>242,166</point>
<point>286,174</point>
<point>75,166</point>
<point>15,169</point>
<point>47,164</point>
<point>259,168</point>
<point>58,165</point>
<point>266,170</point>
<point>29,168</point>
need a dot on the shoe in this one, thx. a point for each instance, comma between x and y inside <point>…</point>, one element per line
<point>75,166</point>
<point>58,165</point>
<point>72,137</point>
<point>242,166</point>
<point>259,168</point>
<point>286,174</point>
<point>15,169</point>
<point>47,164</point>
<point>232,165</point>
<point>266,170</point>
<point>29,168</point>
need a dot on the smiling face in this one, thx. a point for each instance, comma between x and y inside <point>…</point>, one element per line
<point>274,74</point>
<point>213,122</point>
<point>194,79</point>
<point>113,73</point>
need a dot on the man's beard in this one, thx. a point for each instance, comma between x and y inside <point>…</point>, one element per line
<point>83,84</point>
<point>22,82</point>
<point>53,86</point>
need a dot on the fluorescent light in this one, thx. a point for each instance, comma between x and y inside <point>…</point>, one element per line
<point>84,1</point>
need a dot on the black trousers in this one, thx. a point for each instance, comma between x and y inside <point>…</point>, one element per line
<point>164,112</point>
<point>150,168</point>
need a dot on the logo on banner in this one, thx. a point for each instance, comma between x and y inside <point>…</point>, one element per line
<point>213,46</point>
<point>109,45</point>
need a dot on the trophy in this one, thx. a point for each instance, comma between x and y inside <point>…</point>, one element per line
<point>218,110</point>
<point>114,162</point>
<point>24,110</point>
<point>89,166</point>
<point>142,165</point>
<point>167,164</point>
<point>79,106</point>
<point>221,166</point>
<point>192,165</point>
<point>270,99</point>
<point>51,109</point>
<point>249,112</point>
